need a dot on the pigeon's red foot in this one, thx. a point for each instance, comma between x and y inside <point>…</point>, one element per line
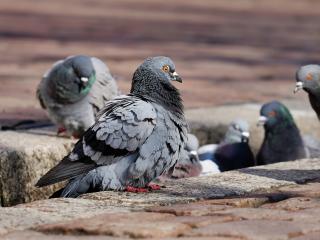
<point>61,130</point>
<point>153,186</point>
<point>76,136</point>
<point>136,190</point>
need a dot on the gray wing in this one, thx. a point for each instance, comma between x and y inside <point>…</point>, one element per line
<point>105,87</point>
<point>162,149</point>
<point>124,125</point>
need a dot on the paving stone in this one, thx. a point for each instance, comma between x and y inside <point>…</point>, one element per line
<point>135,225</point>
<point>193,209</point>
<point>36,213</point>
<point>256,229</point>
<point>306,190</point>
<point>294,204</point>
<point>308,236</point>
<point>32,235</point>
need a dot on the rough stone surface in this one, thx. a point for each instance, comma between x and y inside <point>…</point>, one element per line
<point>49,211</point>
<point>269,202</point>
<point>24,158</point>
<point>122,225</point>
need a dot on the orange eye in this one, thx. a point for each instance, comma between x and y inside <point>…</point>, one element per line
<point>272,114</point>
<point>166,68</point>
<point>309,76</point>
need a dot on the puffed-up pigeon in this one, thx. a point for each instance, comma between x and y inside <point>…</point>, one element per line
<point>282,140</point>
<point>74,90</point>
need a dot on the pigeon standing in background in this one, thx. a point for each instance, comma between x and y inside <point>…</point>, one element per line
<point>282,140</point>
<point>308,79</point>
<point>232,153</point>
<point>188,164</point>
<point>74,90</point>
<point>137,137</point>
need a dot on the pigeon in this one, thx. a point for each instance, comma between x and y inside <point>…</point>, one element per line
<point>74,90</point>
<point>232,153</point>
<point>282,140</point>
<point>136,138</point>
<point>308,79</point>
<point>188,164</point>
<point>312,146</point>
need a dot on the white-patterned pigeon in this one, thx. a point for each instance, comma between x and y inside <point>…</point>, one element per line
<point>232,153</point>
<point>308,79</point>
<point>74,90</point>
<point>282,140</point>
<point>137,137</point>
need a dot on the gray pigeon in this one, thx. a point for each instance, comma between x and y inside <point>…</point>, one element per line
<point>282,139</point>
<point>232,153</point>
<point>308,79</point>
<point>137,137</point>
<point>74,90</point>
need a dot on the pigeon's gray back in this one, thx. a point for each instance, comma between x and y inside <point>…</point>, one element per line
<point>105,87</point>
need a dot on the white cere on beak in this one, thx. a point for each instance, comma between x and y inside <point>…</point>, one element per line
<point>245,134</point>
<point>262,120</point>
<point>175,74</point>
<point>299,86</point>
<point>194,153</point>
<point>84,79</point>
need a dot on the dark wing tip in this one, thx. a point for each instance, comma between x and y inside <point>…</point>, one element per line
<point>66,169</point>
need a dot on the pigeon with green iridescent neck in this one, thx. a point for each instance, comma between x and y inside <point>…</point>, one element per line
<point>74,90</point>
<point>282,140</point>
<point>136,138</point>
<point>308,79</point>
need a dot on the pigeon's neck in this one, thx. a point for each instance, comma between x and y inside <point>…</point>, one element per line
<point>159,92</point>
<point>284,134</point>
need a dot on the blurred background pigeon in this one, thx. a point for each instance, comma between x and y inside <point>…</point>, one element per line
<point>136,138</point>
<point>232,153</point>
<point>282,139</point>
<point>74,90</point>
<point>308,79</point>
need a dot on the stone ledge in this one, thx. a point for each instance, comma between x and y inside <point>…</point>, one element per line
<point>25,157</point>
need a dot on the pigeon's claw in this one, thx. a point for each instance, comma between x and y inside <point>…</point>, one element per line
<point>153,186</point>
<point>61,130</point>
<point>136,190</point>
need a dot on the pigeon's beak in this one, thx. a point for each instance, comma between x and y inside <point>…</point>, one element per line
<point>299,86</point>
<point>84,79</point>
<point>194,156</point>
<point>262,120</point>
<point>245,136</point>
<point>176,77</point>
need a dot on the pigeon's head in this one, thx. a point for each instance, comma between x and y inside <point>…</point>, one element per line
<point>154,72</point>
<point>274,114</point>
<point>71,79</point>
<point>308,78</point>
<point>238,131</point>
<point>153,80</point>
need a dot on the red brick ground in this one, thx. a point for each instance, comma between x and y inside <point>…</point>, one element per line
<point>244,51</point>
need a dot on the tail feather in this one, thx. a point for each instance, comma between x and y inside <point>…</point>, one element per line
<point>66,169</point>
